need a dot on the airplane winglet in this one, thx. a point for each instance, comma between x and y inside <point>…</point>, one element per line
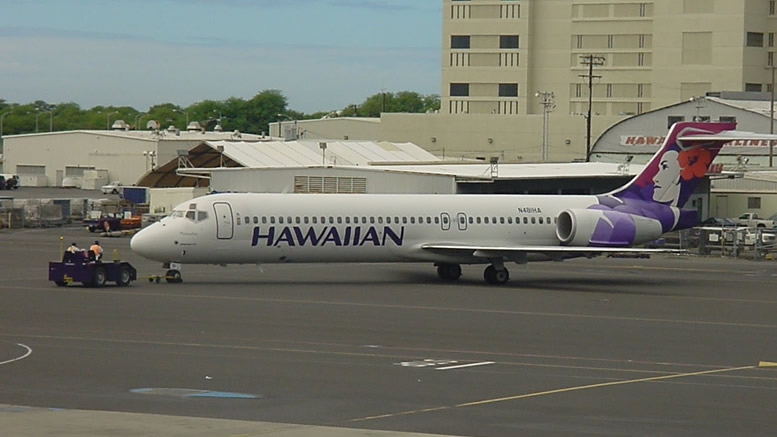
<point>767,364</point>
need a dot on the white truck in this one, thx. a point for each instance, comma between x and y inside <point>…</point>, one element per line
<point>753,220</point>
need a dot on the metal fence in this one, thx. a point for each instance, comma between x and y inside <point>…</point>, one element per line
<point>754,243</point>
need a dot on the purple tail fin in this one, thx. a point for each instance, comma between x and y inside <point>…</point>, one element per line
<point>672,174</point>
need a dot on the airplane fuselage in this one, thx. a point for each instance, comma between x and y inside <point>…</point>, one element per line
<point>279,228</point>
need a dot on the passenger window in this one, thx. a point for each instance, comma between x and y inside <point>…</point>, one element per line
<point>404,220</point>
<point>396,220</point>
<point>412,220</point>
<point>256,220</point>
<point>428,220</point>
<point>380,220</point>
<point>331,220</point>
<point>347,220</point>
<point>547,220</point>
<point>540,220</point>
<point>272,220</point>
<point>364,220</point>
<point>534,220</point>
<point>509,220</point>
<point>437,220</point>
<point>372,220</point>
<point>477,220</point>
<point>297,220</point>
<point>305,219</point>
<point>289,220</point>
<point>314,220</point>
<point>526,220</point>
<point>339,220</point>
<point>280,220</point>
<point>264,220</point>
<point>247,219</point>
<point>502,220</point>
<point>471,220</point>
<point>485,220</point>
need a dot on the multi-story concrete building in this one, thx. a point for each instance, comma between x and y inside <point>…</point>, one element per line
<point>646,54</point>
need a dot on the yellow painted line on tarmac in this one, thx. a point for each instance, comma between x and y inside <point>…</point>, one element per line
<point>566,390</point>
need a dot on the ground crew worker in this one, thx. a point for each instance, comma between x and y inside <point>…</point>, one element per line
<point>97,250</point>
<point>73,248</point>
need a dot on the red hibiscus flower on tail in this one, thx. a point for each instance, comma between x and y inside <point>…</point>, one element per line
<point>694,162</point>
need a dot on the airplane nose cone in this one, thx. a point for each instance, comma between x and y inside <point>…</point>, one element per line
<point>145,244</point>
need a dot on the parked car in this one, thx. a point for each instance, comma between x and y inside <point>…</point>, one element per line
<point>753,220</point>
<point>112,188</point>
<point>718,222</point>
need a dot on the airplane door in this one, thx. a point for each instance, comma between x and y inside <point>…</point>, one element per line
<point>445,221</point>
<point>461,219</point>
<point>224,229</point>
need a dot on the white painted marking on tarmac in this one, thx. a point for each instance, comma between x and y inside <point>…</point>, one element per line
<point>27,354</point>
<point>462,366</point>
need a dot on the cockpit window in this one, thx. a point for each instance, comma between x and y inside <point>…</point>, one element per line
<point>177,214</point>
<point>202,215</point>
<point>191,215</point>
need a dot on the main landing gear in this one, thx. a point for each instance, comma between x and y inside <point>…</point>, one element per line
<point>495,274</point>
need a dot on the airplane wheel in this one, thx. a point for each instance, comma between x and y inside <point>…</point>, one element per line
<point>448,272</point>
<point>496,277</point>
<point>174,276</point>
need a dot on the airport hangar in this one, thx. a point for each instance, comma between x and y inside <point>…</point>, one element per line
<point>92,158</point>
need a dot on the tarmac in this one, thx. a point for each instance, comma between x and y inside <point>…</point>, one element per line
<point>672,345</point>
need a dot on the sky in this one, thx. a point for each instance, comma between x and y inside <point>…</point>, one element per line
<point>321,54</point>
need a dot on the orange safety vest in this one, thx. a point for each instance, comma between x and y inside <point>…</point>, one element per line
<point>96,249</point>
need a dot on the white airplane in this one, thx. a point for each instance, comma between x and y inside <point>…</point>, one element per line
<point>447,230</point>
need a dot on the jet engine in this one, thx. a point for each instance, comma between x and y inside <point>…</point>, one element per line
<point>605,228</point>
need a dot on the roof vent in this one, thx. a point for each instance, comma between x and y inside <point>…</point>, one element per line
<point>119,125</point>
<point>171,128</point>
<point>218,128</point>
<point>152,124</point>
<point>193,126</point>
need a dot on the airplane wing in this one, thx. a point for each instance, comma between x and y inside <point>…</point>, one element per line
<point>511,251</point>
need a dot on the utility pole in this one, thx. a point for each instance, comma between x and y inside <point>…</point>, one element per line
<point>590,61</point>
<point>771,119</point>
<point>547,102</point>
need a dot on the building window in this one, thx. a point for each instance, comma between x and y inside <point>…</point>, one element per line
<point>508,41</point>
<point>770,59</point>
<point>771,39</point>
<point>508,90</point>
<point>753,203</point>
<point>755,39</point>
<point>753,87</point>
<point>459,41</point>
<point>459,89</point>
<point>772,7</point>
<point>672,119</point>
<point>728,119</point>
